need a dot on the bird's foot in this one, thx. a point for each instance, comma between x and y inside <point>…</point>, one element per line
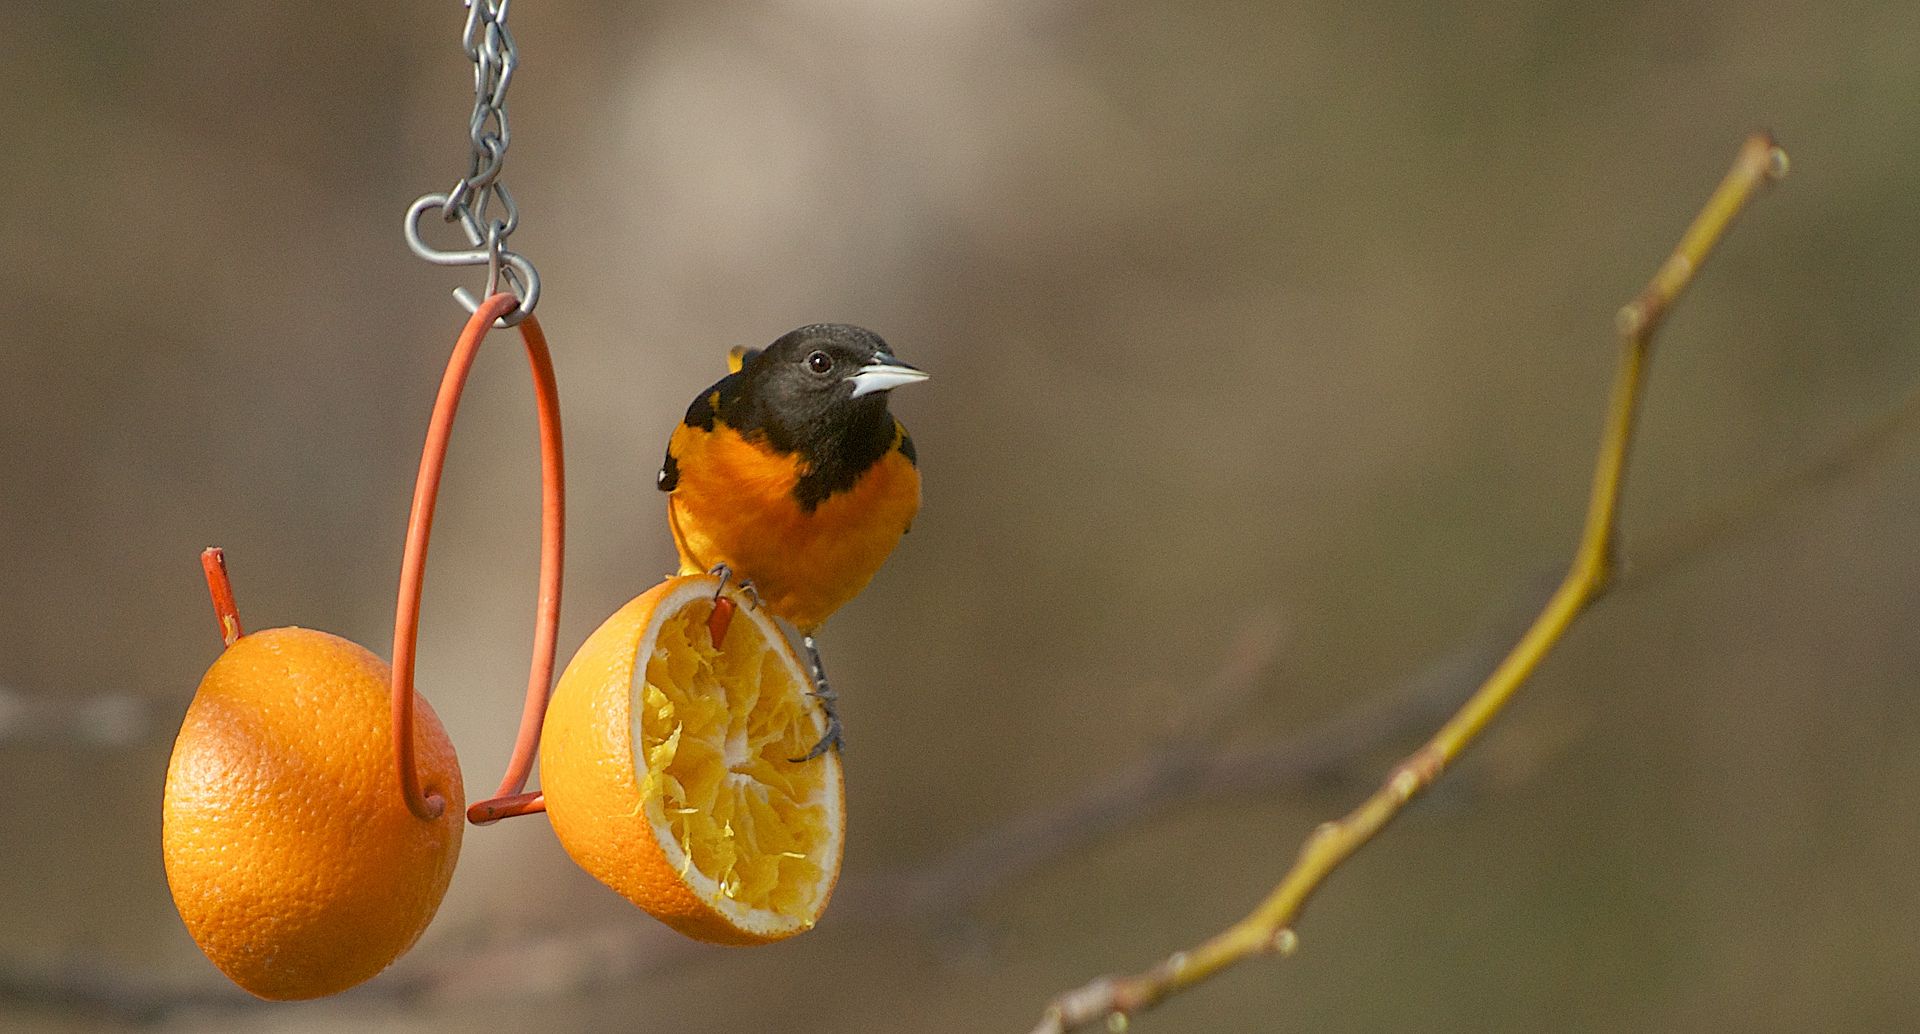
<point>823,692</point>
<point>725,574</point>
<point>833,739</point>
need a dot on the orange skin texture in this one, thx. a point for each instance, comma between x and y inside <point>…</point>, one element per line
<point>734,505</point>
<point>291,856</point>
<point>592,782</point>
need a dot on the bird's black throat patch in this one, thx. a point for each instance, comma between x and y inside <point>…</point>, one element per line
<point>835,443</point>
<point>833,461</point>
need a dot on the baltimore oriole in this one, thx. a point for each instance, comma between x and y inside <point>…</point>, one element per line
<point>790,475</point>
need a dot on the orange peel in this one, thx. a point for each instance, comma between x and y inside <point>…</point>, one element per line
<point>295,864</point>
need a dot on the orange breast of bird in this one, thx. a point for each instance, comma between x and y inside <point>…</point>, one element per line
<point>735,504</point>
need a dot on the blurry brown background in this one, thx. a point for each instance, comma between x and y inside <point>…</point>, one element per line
<point>1228,305</point>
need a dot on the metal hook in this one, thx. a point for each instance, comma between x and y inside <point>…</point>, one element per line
<point>510,267</point>
<point>518,276</point>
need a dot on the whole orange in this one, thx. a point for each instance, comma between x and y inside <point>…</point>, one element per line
<point>290,853</point>
<point>665,761</point>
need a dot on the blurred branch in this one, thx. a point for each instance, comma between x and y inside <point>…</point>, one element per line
<point>1192,765</point>
<point>954,883</point>
<point>1268,928</point>
<point>1657,554</point>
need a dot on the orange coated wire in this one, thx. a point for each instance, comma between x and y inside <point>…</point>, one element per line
<point>720,620</point>
<point>213,562</point>
<point>406,617</point>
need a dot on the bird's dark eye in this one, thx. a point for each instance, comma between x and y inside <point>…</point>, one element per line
<point>820,362</point>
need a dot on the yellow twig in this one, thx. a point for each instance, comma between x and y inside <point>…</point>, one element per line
<point>1268,928</point>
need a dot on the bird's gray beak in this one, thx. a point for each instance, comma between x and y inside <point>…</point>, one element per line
<point>884,376</point>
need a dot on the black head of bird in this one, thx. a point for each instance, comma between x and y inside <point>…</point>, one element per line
<point>819,391</point>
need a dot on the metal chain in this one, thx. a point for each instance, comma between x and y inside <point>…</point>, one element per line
<point>471,203</point>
